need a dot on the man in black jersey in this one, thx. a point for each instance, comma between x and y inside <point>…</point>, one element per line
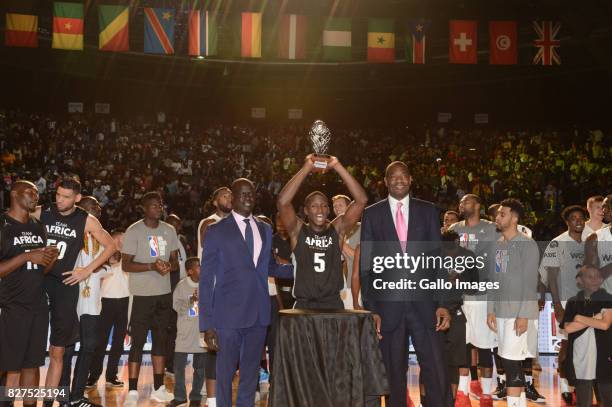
<point>23,317</point>
<point>66,225</point>
<point>317,245</point>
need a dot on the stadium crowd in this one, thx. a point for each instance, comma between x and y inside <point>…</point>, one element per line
<point>118,161</point>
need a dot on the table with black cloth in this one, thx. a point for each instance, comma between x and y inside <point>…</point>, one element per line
<point>326,359</point>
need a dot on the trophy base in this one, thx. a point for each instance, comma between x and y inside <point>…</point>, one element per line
<point>320,162</point>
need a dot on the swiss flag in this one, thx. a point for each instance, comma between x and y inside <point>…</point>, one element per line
<point>462,49</point>
<point>502,43</point>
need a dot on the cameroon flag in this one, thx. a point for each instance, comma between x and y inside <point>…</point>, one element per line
<point>381,40</point>
<point>113,22</point>
<point>67,26</point>
<point>21,30</point>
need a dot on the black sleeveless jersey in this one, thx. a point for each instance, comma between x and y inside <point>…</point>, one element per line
<point>67,233</point>
<point>318,265</point>
<point>23,288</point>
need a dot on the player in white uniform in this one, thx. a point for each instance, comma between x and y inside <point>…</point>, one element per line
<point>561,262</point>
<point>222,201</point>
<point>598,248</point>
<point>596,216</point>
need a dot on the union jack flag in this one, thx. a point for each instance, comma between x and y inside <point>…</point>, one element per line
<point>547,42</point>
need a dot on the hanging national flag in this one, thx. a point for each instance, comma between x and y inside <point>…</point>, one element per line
<point>337,40</point>
<point>251,35</point>
<point>462,49</point>
<point>502,43</point>
<point>67,26</point>
<point>381,40</point>
<point>547,43</point>
<point>292,37</point>
<point>417,41</point>
<point>159,31</point>
<point>21,30</point>
<point>113,22</point>
<point>202,33</point>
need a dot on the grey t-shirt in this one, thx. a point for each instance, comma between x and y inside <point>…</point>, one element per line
<point>567,255</point>
<point>147,245</point>
<point>188,322</point>
<point>516,270</point>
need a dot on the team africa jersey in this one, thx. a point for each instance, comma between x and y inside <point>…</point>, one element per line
<point>23,288</point>
<point>318,265</point>
<point>67,233</point>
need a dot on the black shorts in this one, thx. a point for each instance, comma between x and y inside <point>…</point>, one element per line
<point>23,338</point>
<point>154,313</point>
<point>63,307</point>
<point>210,365</point>
<point>454,341</point>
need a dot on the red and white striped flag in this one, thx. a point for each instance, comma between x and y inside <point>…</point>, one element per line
<point>292,37</point>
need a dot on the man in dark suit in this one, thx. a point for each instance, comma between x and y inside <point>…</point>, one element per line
<point>396,226</point>
<point>234,301</point>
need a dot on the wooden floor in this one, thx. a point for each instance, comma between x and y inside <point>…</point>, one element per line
<point>547,383</point>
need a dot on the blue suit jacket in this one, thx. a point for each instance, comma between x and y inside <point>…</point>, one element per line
<point>377,226</point>
<point>233,290</point>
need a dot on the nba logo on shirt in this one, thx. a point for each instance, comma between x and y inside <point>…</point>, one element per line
<point>193,310</point>
<point>463,239</point>
<point>153,246</point>
<point>501,261</point>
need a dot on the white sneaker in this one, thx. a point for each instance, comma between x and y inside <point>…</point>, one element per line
<point>257,396</point>
<point>162,395</point>
<point>131,400</point>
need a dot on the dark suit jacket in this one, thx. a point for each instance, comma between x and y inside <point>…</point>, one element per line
<point>379,238</point>
<point>234,291</point>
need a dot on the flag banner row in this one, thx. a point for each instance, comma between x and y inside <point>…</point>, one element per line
<point>336,36</point>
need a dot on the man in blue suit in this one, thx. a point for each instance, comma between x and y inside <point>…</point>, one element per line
<point>234,301</point>
<point>397,225</point>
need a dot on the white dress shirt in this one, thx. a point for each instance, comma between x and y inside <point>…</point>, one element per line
<point>256,236</point>
<point>405,209</point>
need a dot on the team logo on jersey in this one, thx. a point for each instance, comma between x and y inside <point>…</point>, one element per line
<point>157,246</point>
<point>319,242</point>
<point>501,261</point>
<point>27,238</point>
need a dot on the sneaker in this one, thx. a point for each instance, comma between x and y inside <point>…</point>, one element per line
<point>462,400</point>
<point>114,382</point>
<point>532,394</point>
<point>475,389</point>
<point>486,400</point>
<point>500,392</point>
<point>567,399</point>
<point>84,403</point>
<point>195,403</point>
<point>91,383</point>
<point>131,400</point>
<point>257,396</point>
<point>162,395</point>
<point>177,403</point>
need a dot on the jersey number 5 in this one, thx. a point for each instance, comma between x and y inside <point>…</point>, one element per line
<point>319,262</point>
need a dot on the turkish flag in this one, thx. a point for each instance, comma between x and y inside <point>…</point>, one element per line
<point>463,45</point>
<point>502,43</point>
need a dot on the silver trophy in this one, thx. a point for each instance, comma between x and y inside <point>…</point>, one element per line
<point>320,137</point>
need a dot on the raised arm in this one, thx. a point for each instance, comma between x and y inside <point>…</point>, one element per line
<point>344,223</point>
<point>285,198</point>
<point>93,226</point>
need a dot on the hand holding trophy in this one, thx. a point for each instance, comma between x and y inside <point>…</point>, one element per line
<point>320,137</point>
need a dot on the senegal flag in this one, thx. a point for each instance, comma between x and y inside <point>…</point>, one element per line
<point>381,40</point>
<point>67,26</point>
<point>113,22</point>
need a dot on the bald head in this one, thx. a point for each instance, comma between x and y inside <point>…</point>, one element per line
<point>24,196</point>
<point>21,185</point>
<point>175,221</point>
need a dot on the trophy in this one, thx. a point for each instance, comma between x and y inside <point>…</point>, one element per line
<point>320,137</point>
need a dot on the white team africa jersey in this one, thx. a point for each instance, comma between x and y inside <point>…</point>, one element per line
<point>216,219</point>
<point>604,252</point>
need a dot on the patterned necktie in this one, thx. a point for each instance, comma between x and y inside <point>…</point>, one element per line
<point>400,226</point>
<point>248,237</point>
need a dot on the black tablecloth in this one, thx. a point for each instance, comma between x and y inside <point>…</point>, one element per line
<point>326,359</point>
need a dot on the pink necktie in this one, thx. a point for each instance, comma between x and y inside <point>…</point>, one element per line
<point>400,226</point>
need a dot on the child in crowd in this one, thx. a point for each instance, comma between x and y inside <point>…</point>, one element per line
<point>185,303</point>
